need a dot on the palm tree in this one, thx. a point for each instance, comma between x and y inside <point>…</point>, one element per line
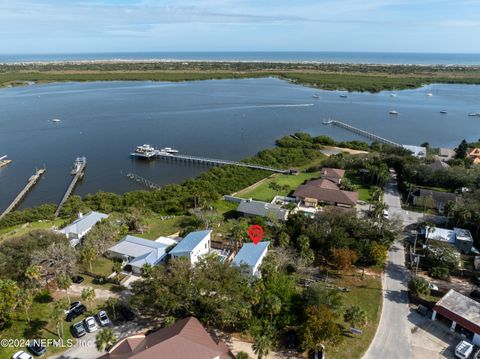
<point>262,346</point>
<point>25,300</point>
<point>117,267</point>
<point>64,282</point>
<point>355,316</point>
<point>88,294</point>
<point>112,302</point>
<point>58,314</point>
<point>105,339</point>
<point>33,273</point>
<point>88,255</point>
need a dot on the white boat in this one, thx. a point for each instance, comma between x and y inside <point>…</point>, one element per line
<point>55,120</point>
<point>144,151</point>
<point>474,114</point>
<point>443,112</point>
<point>393,94</point>
<point>316,96</point>
<point>77,165</point>
<point>343,95</point>
<point>169,150</point>
<point>429,94</point>
<point>393,112</point>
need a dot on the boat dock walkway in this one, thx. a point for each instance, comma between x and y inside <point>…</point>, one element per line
<point>213,161</point>
<point>78,175</point>
<point>31,182</point>
<point>361,132</point>
<point>142,180</point>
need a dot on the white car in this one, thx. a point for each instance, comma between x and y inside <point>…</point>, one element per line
<point>103,318</point>
<point>21,355</point>
<point>385,214</point>
<point>90,324</point>
<point>432,286</point>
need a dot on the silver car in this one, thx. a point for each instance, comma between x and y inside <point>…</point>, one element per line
<point>103,319</point>
<point>90,324</point>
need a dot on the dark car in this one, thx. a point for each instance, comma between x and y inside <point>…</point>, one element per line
<point>475,294</point>
<point>75,312</point>
<point>127,313</point>
<point>77,279</point>
<point>35,347</point>
<point>78,330</point>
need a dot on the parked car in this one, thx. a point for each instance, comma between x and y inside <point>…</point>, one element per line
<point>73,305</point>
<point>103,318</point>
<point>463,350</point>
<point>90,324</point>
<point>78,330</point>
<point>432,286</point>
<point>77,279</point>
<point>475,294</point>
<point>21,355</point>
<point>127,313</point>
<point>75,312</point>
<point>36,348</point>
<point>385,214</point>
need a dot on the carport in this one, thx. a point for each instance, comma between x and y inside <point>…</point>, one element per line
<point>462,311</point>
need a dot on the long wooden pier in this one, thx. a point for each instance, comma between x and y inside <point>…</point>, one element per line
<point>141,180</point>
<point>31,182</point>
<point>213,161</point>
<point>78,175</point>
<point>361,132</point>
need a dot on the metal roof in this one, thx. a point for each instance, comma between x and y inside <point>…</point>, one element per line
<point>141,250</point>
<point>84,223</point>
<point>191,241</point>
<point>250,254</point>
<point>263,209</point>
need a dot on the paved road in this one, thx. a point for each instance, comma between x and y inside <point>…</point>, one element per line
<point>393,339</point>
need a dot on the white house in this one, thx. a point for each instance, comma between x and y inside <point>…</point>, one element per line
<point>193,246</point>
<point>137,252</point>
<point>250,257</point>
<point>80,227</point>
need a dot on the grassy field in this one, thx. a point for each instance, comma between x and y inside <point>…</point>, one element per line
<point>363,190</point>
<point>162,227</point>
<point>27,227</point>
<point>366,293</point>
<point>264,193</point>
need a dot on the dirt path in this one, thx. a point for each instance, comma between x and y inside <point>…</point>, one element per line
<point>255,185</point>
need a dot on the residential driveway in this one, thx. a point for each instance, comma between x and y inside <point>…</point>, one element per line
<point>392,339</point>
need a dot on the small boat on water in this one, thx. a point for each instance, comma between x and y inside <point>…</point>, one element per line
<point>393,94</point>
<point>393,112</point>
<point>429,94</point>
<point>78,164</point>
<point>443,112</point>
<point>343,95</point>
<point>474,114</point>
<point>316,96</point>
<point>56,120</point>
<point>144,151</point>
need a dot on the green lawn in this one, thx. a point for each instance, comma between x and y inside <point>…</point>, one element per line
<point>102,266</point>
<point>366,293</point>
<point>27,227</point>
<point>162,227</point>
<point>265,193</point>
<point>362,189</point>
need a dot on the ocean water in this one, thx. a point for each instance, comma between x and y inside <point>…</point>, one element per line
<point>227,119</point>
<point>329,57</point>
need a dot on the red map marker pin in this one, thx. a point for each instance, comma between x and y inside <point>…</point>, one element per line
<point>255,232</point>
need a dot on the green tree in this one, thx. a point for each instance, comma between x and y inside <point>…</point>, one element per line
<point>241,355</point>
<point>58,314</point>
<point>105,339</point>
<point>319,329</point>
<point>284,239</point>
<point>33,273</point>
<point>263,345</point>
<point>88,255</point>
<point>356,316</point>
<point>117,268</point>
<point>343,258</point>
<point>462,150</point>
<point>88,294</point>
<point>25,301</point>
<point>378,253</point>
<point>8,300</point>
<point>112,304</point>
<point>64,282</point>
<point>168,321</point>
<point>318,295</point>
<point>418,286</point>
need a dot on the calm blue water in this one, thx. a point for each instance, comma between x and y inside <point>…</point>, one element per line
<point>229,119</point>
<point>330,57</point>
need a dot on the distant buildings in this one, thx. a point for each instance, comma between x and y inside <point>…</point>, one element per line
<point>445,154</point>
<point>251,208</point>
<point>326,190</point>
<point>135,252</point>
<point>193,246</point>
<point>458,237</point>
<point>474,155</point>
<point>80,227</point>
<point>417,151</point>
<point>250,257</point>
<point>438,165</point>
<point>186,339</point>
<point>460,311</point>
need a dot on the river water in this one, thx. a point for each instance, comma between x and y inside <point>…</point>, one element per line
<point>228,119</point>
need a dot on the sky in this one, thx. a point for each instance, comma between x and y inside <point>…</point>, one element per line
<point>71,26</point>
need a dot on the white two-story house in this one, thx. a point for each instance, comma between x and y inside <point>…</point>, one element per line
<point>193,246</point>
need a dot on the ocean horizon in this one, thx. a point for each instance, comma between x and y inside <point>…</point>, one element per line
<point>388,58</point>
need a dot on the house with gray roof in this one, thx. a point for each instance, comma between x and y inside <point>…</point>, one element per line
<point>253,208</point>
<point>135,252</point>
<point>250,257</point>
<point>80,227</point>
<point>193,246</point>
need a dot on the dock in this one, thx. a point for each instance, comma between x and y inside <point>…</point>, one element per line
<point>31,182</point>
<point>4,161</point>
<point>361,132</point>
<point>139,179</point>
<point>77,172</point>
<point>216,162</point>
